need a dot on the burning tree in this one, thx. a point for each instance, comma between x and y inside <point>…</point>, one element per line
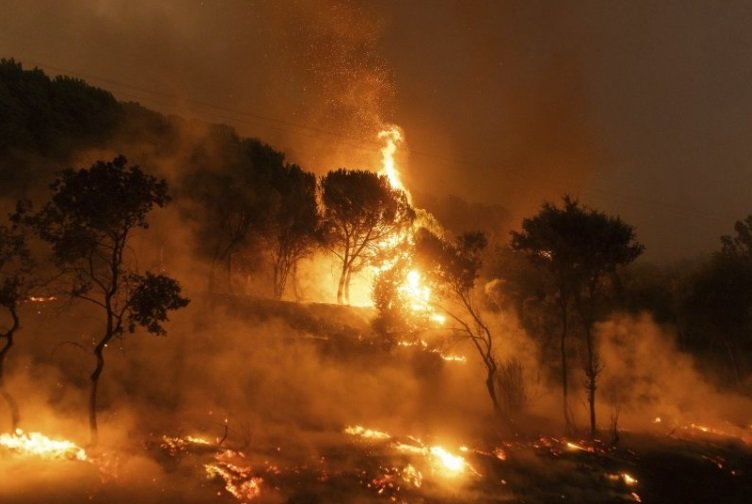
<point>88,222</point>
<point>363,215</point>
<point>455,267</point>
<point>580,248</point>
<point>15,266</point>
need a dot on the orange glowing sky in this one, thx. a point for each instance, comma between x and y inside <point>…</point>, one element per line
<point>641,108</point>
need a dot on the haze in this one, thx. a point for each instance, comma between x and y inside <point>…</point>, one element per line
<point>641,109</point>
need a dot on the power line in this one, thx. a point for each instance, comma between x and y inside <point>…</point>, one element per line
<point>279,125</point>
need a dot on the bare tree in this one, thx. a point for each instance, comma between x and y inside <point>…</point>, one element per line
<point>455,266</point>
<point>15,268</point>
<point>88,222</point>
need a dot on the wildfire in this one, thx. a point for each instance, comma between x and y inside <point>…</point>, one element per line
<point>451,464</point>
<point>40,299</point>
<point>413,291</point>
<point>360,431</point>
<point>39,445</point>
<point>238,479</point>
<point>423,344</point>
<point>441,461</point>
<point>391,136</point>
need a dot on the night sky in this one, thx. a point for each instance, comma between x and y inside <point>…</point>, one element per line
<point>643,109</point>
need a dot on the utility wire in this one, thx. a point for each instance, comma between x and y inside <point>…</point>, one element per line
<point>280,125</point>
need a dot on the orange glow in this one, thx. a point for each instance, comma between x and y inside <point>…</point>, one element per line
<point>413,290</point>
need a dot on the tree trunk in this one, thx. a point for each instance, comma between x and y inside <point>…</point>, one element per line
<point>15,416</point>
<point>491,387</point>
<point>98,353</point>
<point>732,361</point>
<point>592,368</point>
<point>347,286</point>
<point>592,375</point>
<point>341,285</point>
<point>564,368</point>
<point>281,274</point>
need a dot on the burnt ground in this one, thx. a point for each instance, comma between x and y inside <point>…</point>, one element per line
<point>322,464</point>
<point>694,469</point>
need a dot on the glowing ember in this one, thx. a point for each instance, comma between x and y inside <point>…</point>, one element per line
<point>175,445</point>
<point>629,480</point>
<point>443,462</point>
<point>360,431</point>
<point>242,489</point>
<point>40,299</point>
<point>237,476</point>
<point>452,464</point>
<point>39,445</point>
<point>574,446</point>
<point>412,476</point>
<point>453,358</point>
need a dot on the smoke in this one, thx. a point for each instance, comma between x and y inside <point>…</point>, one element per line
<point>646,377</point>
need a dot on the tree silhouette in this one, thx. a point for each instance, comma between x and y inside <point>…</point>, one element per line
<point>88,222</point>
<point>455,267</point>
<point>230,196</point>
<point>15,269</point>
<point>580,248</point>
<point>717,308</point>
<point>362,212</point>
<point>295,223</point>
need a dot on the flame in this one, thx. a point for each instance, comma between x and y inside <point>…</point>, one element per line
<point>238,484</point>
<point>391,136</point>
<point>413,289</point>
<point>450,463</point>
<point>628,479</point>
<point>423,344</point>
<point>39,445</point>
<point>232,469</point>
<point>442,462</point>
<point>41,299</point>
<point>360,431</point>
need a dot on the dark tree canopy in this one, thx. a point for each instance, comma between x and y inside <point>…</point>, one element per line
<point>361,211</point>
<point>295,223</point>
<point>717,306</point>
<point>52,117</point>
<point>229,194</point>
<point>579,247</point>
